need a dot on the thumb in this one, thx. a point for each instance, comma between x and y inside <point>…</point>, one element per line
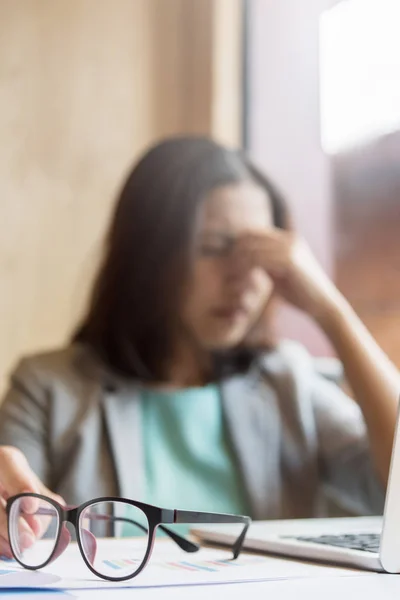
<point>17,477</point>
<point>31,505</point>
<point>46,492</point>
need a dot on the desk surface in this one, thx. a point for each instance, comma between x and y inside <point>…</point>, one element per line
<point>366,587</point>
<point>304,585</point>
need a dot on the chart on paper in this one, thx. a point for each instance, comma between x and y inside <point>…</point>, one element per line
<point>199,566</point>
<point>169,566</point>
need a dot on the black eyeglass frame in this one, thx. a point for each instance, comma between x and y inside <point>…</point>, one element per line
<point>156,517</point>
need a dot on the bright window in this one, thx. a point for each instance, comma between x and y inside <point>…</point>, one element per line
<point>360,72</point>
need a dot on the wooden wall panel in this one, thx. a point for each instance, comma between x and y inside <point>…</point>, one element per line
<point>71,118</point>
<point>84,87</point>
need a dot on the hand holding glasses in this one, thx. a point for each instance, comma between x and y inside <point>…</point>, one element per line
<point>97,521</point>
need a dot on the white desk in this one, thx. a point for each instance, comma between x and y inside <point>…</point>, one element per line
<point>306,584</point>
<point>368,587</point>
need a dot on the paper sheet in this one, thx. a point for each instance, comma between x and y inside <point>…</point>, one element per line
<point>169,566</point>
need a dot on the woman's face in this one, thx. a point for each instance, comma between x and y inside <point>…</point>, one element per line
<point>224,300</point>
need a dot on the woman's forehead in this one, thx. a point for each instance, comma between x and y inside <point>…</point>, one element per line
<point>237,207</point>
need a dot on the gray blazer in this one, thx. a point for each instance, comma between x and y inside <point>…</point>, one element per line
<point>292,431</point>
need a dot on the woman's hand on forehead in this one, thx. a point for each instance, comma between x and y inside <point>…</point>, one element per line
<point>288,260</point>
<point>221,242</point>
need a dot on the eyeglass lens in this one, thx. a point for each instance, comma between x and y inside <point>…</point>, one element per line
<point>34,525</point>
<point>102,522</point>
<point>30,520</point>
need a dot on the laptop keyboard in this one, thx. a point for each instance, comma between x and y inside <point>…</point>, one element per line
<point>369,542</point>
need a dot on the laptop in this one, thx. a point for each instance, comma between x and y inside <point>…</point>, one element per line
<point>371,543</point>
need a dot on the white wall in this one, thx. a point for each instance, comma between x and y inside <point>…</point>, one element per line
<point>284,128</point>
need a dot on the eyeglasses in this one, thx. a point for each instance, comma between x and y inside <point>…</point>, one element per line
<point>95,522</point>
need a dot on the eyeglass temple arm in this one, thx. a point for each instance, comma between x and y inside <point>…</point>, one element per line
<point>187,516</point>
<point>181,541</point>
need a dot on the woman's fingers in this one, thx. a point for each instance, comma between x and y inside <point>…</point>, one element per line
<point>36,524</point>
<point>46,514</point>
<point>272,254</point>
<point>5,551</point>
<point>16,477</point>
<point>26,534</point>
<point>271,237</point>
<point>267,246</point>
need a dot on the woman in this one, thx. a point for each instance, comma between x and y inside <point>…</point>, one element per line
<point>167,394</point>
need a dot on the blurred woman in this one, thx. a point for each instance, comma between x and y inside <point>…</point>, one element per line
<point>174,390</point>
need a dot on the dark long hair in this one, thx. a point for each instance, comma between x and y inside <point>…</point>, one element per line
<point>149,251</point>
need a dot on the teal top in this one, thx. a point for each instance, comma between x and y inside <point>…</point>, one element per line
<point>189,460</point>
